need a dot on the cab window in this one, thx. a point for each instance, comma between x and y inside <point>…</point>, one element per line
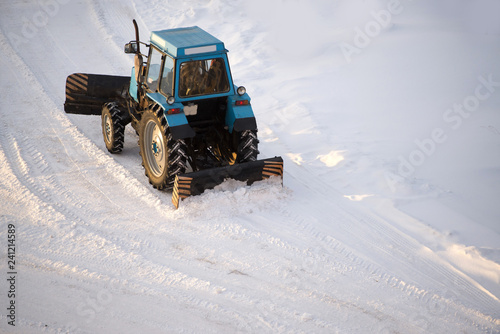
<point>203,77</point>
<point>154,69</point>
<point>167,77</point>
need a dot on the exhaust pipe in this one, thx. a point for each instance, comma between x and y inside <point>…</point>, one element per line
<point>137,37</point>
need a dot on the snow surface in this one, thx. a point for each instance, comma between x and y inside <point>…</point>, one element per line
<point>385,112</point>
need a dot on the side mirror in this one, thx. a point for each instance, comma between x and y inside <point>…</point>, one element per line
<point>131,47</point>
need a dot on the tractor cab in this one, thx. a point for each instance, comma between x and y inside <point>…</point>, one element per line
<point>183,65</point>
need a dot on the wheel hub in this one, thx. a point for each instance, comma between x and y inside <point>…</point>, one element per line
<point>156,148</point>
<point>155,153</point>
<point>107,128</point>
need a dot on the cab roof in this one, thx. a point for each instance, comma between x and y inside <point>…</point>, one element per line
<point>186,42</point>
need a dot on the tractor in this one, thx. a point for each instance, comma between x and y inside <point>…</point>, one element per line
<point>195,127</point>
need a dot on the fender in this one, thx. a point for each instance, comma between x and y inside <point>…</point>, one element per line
<point>240,118</point>
<point>177,123</point>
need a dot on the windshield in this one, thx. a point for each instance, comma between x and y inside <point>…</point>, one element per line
<point>203,77</point>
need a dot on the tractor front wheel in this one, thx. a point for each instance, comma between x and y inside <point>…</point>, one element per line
<point>113,128</point>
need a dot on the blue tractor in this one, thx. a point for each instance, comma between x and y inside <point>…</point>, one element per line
<point>195,127</point>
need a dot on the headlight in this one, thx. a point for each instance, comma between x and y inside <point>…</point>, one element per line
<point>171,100</point>
<point>241,90</point>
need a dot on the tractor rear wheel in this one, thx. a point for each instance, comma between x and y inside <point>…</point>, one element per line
<point>247,146</point>
<point>162,156</point>
<point>113,127</point>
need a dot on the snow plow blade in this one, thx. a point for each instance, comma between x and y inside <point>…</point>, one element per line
<point>195,183</point>
<point>86,93</point>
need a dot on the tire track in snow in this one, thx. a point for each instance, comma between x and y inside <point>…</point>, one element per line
<point>314,258</point>
<point>115,24</point>
<point>455,282</point>
<point>362,229</point>
<point>84,233</point>
<point>283,279</point>
<point>26,205</point>
<point>64,222</point>
<point>447,281</point>
<point>19,167</point>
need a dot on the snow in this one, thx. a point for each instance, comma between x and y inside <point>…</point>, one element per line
<point>385,112</point>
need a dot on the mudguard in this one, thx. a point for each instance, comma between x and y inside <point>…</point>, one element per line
<point>240,118</point>
<point>195,183</point>
<point>86,93</point>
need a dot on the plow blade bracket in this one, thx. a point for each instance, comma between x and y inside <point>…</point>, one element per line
<point>195,183</point>
<point>86,93</point>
